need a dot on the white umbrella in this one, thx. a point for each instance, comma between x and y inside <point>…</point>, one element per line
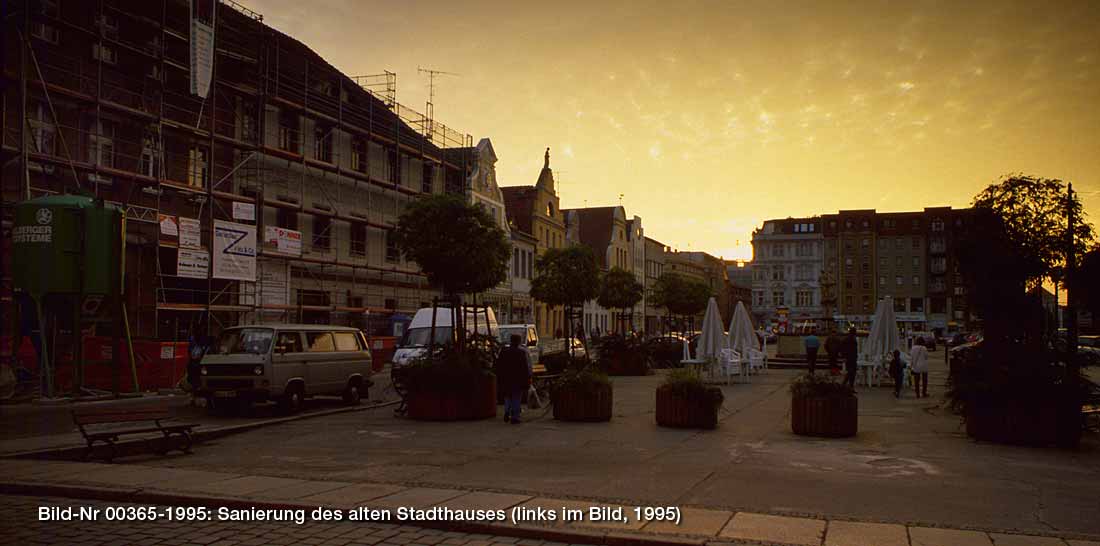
<point>883,339</point>
<point>711,338</point>
<point>742,336</point>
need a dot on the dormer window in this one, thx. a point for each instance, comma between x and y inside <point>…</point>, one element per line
<point>550,210</point>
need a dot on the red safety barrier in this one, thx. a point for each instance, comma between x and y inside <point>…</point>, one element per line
<point>382,349</point>
<point>160,364</point>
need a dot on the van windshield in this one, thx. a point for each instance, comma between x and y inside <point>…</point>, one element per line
<point>256,341</point>
<point>418,337</point>
<point>505,335</point>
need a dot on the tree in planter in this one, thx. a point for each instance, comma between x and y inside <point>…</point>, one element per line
<point>566,277</point>
<point>458,246</point>
<point>680,295</point>
<point>619,289</point>
<point>1015,386</point>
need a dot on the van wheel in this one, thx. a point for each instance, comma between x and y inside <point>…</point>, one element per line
<point>291,401</point>
<point>352,396</point>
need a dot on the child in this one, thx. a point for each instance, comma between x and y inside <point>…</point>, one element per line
<point>896,369</point>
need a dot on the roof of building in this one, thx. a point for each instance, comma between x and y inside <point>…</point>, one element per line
<point>518,203</point>
<point>595,227</point>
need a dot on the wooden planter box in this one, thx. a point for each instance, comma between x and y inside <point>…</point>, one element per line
<point>680,412</point>
<point>829,417</point>
<point>592,406</point>
<point>1040,425</point>
<point>480,402</point>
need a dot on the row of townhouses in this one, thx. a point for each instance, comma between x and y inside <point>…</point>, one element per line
<point>195,117</point>
<point>831,270</point>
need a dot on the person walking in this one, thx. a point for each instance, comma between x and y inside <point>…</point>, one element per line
<point>513,378</point>
<point>918,363</point>
<point>812,344</point>
<point>897,372</point>
<point>850,349</point>
<point>832,347</point>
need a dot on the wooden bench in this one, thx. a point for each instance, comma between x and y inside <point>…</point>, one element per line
<point>177,435</point>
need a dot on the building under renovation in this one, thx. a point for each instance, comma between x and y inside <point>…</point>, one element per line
<point>259,183</point>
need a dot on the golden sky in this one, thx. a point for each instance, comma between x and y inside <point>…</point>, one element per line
<point>710,117</point>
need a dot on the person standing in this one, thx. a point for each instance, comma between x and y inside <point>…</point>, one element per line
<point>832,347</point>
<point>513,377</point>
<point>918,363</point>
<point>850,348</point>
<point>812,344</point>
<point>896,371</point>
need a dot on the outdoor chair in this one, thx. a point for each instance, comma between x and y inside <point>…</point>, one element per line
<point>731,363</point>
<point>758,360</point>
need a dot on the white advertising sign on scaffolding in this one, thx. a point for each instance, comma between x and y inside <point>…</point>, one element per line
<point>286,241</point>
<point>202,45</point>
<point>234,251</point>
<point>244,211</point>
<point>192,264</point>
<point>274,288</point>
<point>190,233</point>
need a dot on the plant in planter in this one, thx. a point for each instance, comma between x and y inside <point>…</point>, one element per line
<point>583,394</point>
<point>623,355</point>
<point>684,401</point>
<point>452,385</point>
<point>821,406</point>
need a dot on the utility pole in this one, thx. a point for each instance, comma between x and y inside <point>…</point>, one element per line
<point>1069,274</point>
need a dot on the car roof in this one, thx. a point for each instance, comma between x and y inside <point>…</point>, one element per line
<point>301,327</point>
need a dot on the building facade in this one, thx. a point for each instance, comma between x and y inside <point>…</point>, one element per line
<point>606,231</point>
<point>521,310</point>
<point>654,268</point>
<point>786,270</point>
<point>272,142</point>
<point>739,276</point>
<point>482,190</point>
<point>535,210</point>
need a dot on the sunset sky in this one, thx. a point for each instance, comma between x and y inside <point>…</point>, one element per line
<point>710,117</point>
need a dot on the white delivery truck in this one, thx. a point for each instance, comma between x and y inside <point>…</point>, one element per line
<point>414,344</point>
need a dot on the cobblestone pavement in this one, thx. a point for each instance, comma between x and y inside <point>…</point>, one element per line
<point>23,527</point>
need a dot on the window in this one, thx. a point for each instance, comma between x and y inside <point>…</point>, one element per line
<point>899,280</point>
<point>866,303</point>
<point>758,297</point>
<point>43,131</point>
<point>883,242</point>
<point>288,131</point>
<point>882,261</point>
<point>848,284</point>
<point>320,342</point>
<point>515,262</point>
<point>866,283</point>
<point>916,280</point>
<point>358,239</point>
<point>392,253</point>
<point>938,305</point>
<point>777,298</point>
<point>882,280</point>
<point>804,298</point>
<point>46,33</point>
<point>286,218</point>
<point>104,53</point>
<point>530,263</point>
<point>550,209</point>
<point>150,157</point>
<point>866,243</point>
<point>358,155</point>
<point>899,243</point>
<point>898,261</point>
<point>916,242</point>
<point>101,144</point>
<point>427,180</point>
<point>347,341</point>
<point>937,224</point>
<point>322,143</point>
<point>916,305</point>
<point>937,245</point>
<point>288,342</point>
<point>198,171</point>
<point>939,265</point>
<point>916,262</point>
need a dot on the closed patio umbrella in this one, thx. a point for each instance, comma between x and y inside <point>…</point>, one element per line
<point>711,338</point>
<point>742,336</point>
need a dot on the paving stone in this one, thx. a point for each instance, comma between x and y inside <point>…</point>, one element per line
<point>846,533</point>
<point>354,495</point>
<point>299,490</point>
<point>774,529</point>
<point>1024,540</point>
<point>192,480</point>
<point>245,485</point>
<point>417,497</point>
<point>1083,543</point>
<point>693,521</point>
<point>928,536</point>
<point>485,501</point>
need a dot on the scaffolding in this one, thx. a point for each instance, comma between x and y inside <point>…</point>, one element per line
<point>281,133</point>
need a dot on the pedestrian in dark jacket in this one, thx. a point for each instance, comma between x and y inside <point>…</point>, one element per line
<point>513,378</point>
<point>896,369</point>
<point>850,348</point>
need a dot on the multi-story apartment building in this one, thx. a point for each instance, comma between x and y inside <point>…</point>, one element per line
<point>714,276</point>
<point>520,310</point>
<point>482,190</point>
<point>786,270</point>
<point>867,255</point>
<point>739,274</point>
<point>654,268</point>
<point>245,130</point>
<point>534,210</point>
<point>606,231</point>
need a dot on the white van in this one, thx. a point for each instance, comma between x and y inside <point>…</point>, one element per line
<point>414,344</point>
<point>285,363</point>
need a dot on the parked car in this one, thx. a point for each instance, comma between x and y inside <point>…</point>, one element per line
<point>414,344</point>
<point>537,347</point>
<point>285,363</point>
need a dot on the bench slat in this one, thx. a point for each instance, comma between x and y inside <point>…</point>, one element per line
<point>115,415</point>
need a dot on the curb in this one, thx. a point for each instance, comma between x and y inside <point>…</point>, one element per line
<point>135,495</point>
<point>140,445</point>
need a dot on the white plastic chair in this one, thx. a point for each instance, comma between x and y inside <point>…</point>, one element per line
<point>758,360</point>
<point>730,363</point>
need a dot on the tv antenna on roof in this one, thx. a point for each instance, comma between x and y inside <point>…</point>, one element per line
<point>430,106</point>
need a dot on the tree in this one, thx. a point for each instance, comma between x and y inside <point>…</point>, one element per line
<point>566,277</point>
<point>680,295</point>
<point>619,289</point>
<point>1033,214</point>
<point>457,245</point>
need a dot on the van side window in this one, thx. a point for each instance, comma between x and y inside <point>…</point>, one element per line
<point>288,342</point>
<point>320,342</point>
<point>347,341</point>
<point>531,337</point>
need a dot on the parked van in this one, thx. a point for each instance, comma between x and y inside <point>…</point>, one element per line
<point>537,347</point>
<point>285,363</point>
<point>414,344</point>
